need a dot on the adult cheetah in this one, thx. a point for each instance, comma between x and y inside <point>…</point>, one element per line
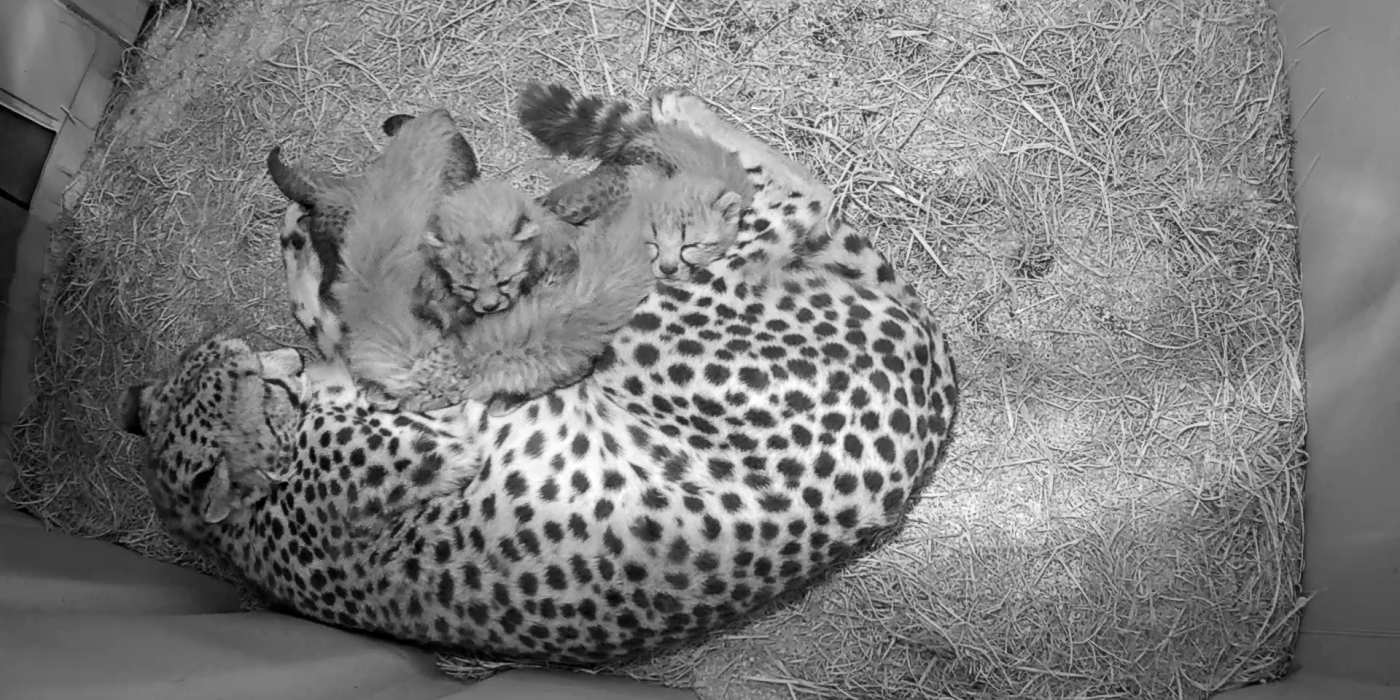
<point>736,443</point>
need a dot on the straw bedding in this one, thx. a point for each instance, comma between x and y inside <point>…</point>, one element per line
<point>1093,193</point>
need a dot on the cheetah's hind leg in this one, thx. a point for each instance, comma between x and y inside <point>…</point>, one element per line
<point>304,274</point>
<point>312,310</point>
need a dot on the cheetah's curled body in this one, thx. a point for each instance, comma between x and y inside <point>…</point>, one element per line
<point>736,442</point>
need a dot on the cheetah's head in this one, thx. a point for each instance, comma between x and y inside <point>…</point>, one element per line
<point>220,428</point>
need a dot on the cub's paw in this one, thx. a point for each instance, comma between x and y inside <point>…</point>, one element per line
<point>377,397</point>
<point>432,394</point>
<point>680,106</point>
<point>506,403</point>
<point>331,378</point>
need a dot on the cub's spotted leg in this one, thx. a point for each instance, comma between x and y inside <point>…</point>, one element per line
<point>583,199</point>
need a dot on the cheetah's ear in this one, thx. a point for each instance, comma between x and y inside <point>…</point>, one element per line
<point>730,205</point>
<point>230,489</point>
<point>216,502</point>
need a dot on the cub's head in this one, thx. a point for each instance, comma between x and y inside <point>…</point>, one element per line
<point>689,222</point>
<point>490,242</point>
<point>220,428</point>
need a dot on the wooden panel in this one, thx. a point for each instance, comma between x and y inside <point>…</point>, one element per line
<point>45,51</point>
<point>24,147</point>
<point>21,324</point>
<point>65,159</point>
<point>12,221</point>
<point>120,18</point>
<point>91,101</point>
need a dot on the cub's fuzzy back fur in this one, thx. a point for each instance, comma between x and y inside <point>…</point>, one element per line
<point>384,268</point>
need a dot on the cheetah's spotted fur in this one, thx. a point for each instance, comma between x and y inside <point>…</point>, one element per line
<point>736,442</point>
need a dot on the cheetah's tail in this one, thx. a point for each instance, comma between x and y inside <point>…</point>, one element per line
<point>580,127</point>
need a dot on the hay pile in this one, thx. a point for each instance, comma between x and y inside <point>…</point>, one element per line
<point>1093,193</point>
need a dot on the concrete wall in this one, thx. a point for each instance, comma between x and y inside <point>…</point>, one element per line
<point>1344,84</point>
<point>57,65</point>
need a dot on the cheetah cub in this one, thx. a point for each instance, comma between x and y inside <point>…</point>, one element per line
<point>686,222</point>
<point>694,188</point>
<point>522,302</point>
<point>490,245</point>
<point>549,299</point>
<point>690,191</point>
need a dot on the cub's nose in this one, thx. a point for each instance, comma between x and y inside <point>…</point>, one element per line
<point>669,268</point>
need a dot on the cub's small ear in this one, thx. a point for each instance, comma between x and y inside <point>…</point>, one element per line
<point>730,204</point>
<point>461,168</point>
<point>395,122</point>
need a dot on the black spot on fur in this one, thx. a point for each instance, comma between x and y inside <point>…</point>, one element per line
<point>646,322</point>
<point>646,354</point>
